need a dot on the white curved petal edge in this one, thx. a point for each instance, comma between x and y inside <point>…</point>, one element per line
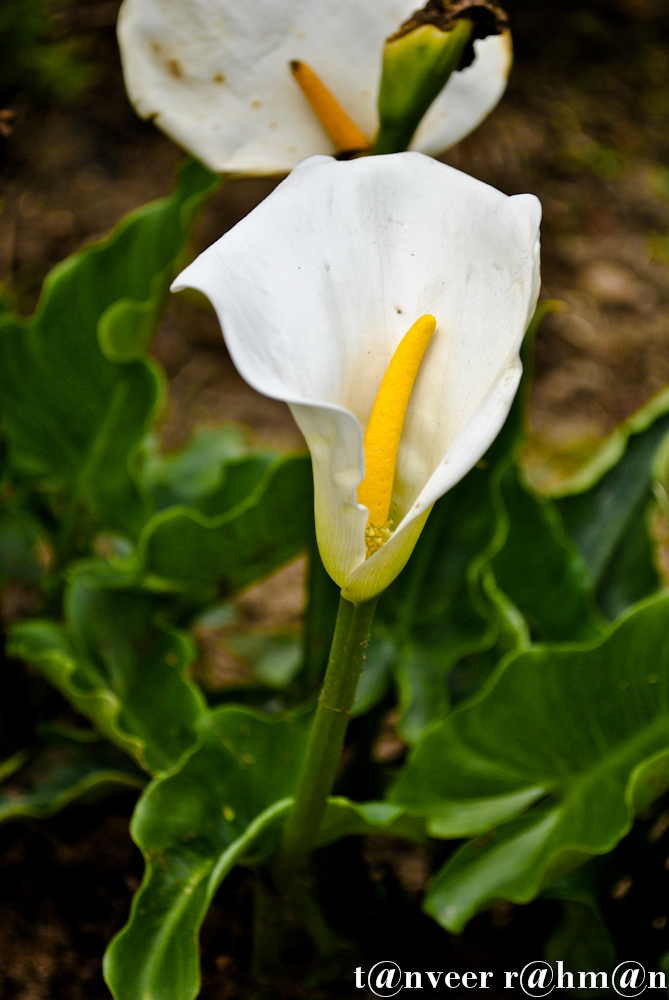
<point>314,291</point>
<point>214,75</point>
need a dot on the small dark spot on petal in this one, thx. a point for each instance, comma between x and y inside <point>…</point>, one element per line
<point>218,78</point>
<point>256,104</point>
<point>156,46</point>
<point>174,68</point>
<point>398,310</point>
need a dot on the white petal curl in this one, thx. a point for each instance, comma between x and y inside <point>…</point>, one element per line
<point>315,289</point>
<point>214,75</point>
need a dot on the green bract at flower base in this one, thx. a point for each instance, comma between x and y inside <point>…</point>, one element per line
<point>314,291</point>
<point>215,76</point>
<point>420,58</point>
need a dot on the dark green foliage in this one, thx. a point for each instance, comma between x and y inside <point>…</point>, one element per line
<point>120,669</point>
<point>583,732</point>
<point>38,58</point>
<point>77,393</point>
<point>537,728</point>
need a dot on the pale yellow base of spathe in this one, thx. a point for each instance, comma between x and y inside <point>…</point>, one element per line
<point>379,571</point>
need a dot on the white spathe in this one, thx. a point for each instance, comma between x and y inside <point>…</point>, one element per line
<point>314,291</point>
<point>214,75</point>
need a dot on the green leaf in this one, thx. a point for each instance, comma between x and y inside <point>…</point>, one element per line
<point>192,828</point>
<point>74,416</point>
<point>534,561</point>
<point>607,457</point>
<point>120,668</point>
<point>184,551</point>
<point>445,605</point>
<point>541,569</point>
<point>606,508</point>
<point>274,658</point>
<point>431,611</point>
<point>608,523</point>
<point>346,819</point>
<point>586,729</point>
<point>23,547</point>
<point>132,270</point>
<point>582,943</point>
<point>195,471</point>
<point>61,771</point>
<point>581,940</point>
<point>222,808</point>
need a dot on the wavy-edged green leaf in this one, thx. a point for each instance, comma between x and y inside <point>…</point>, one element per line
<point>121,669</point>
<point>193,472</point>
<point>192,827</point>
<point>346,819</point>
<point>607,505</point>
<point>184,551</point>
<point>61,771</point>
<point>517,860</point>
<point>608,522</point>
<point>608,456</point>
<point>534,561</point>
<point>437,612</point>
<point>273,658</point>
<point>223,807</point>
<point>541,569</point>
<point>130,273</point>
<point>586,729</point>
<point>73,415</point>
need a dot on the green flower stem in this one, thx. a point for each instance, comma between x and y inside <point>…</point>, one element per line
<point>326,740</point>
<point>270,916</point>
<point>267,931</point>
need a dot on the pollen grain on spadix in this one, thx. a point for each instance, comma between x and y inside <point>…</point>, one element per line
<point>384,430</point>
<point>343,131</point>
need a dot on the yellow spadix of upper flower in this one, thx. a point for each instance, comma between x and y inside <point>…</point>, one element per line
<point>382,438</point>
<point>344,133</point>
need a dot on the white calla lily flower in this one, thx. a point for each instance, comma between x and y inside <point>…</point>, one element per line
<point>214,75</point>
<point>315,290</point>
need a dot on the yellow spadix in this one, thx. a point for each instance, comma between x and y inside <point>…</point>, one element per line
<point>382,438</point>
<point>344,133</point>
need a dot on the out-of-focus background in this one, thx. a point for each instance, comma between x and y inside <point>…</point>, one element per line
<point>584,125</point>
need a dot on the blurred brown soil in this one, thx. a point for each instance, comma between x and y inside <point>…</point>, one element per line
<point>584,126</point>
